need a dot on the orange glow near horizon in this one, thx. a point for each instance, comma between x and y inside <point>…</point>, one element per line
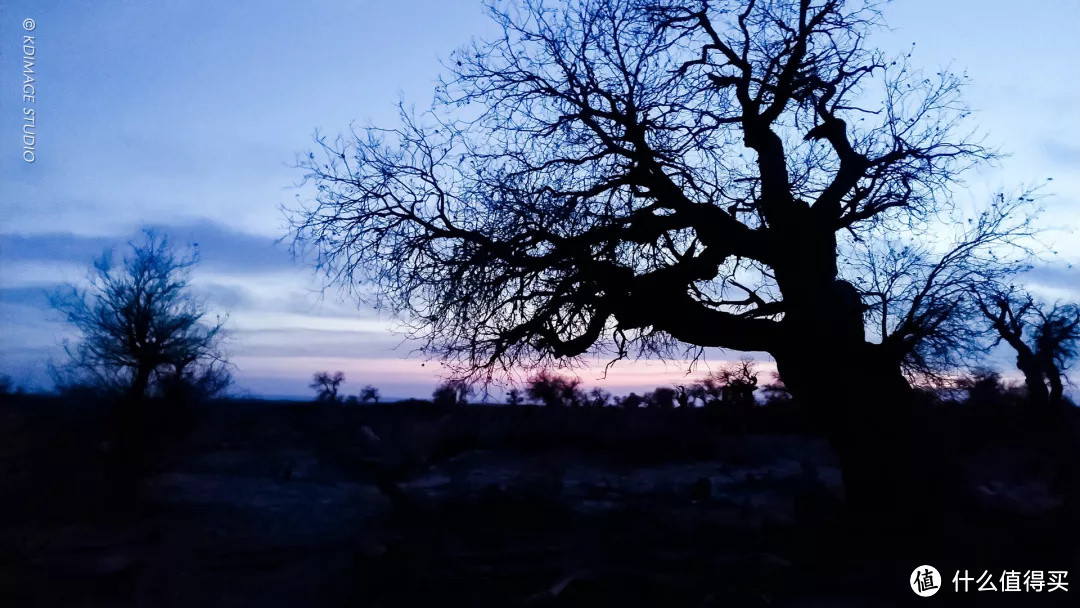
<point>418,378</point>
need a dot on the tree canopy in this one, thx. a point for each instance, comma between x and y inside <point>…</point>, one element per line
<point>141,326</point>
<point>659,176</point>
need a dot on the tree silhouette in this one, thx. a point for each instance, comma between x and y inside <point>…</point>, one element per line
<point>369,393</point>
<point>326,385</point>
<point>1044,338</point>
<point>451,392</point>
<point>598,397</point>
<point>660,177</point>
<point>553,390</point>
<point>140,325</point>
<point>662,397</point>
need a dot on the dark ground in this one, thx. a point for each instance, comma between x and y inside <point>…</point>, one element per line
<point>275,504</point>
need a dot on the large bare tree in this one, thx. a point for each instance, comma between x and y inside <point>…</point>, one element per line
<point>660,176</point>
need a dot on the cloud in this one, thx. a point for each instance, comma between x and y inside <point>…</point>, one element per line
<point>37,296</point>
<point>1055,277</point>
<point>221,248</point>
<point>304,342</point>
<point>1061,153</point>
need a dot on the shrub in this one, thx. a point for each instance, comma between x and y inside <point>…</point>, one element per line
<point>326,385</point>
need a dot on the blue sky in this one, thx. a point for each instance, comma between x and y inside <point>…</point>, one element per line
<point>188,116</point>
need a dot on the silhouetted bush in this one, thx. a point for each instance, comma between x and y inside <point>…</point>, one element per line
<point>326,385</point>
<point>630,402</point>
<point>369,393</point>
<point>451,393</point>
<point>598,397</point>
<point>194,384</point>
<point>663,397</point>
<point>555,391</point>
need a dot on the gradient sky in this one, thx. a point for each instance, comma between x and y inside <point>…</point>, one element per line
<point>188,116</point>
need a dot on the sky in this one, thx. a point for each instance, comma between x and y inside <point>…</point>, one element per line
<point>188,117</point>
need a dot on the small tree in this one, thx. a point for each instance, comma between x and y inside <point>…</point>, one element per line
<point>663,397</point>
<point>553,390</point>
<point>631,401</point>
<point>140,326</point>
<point>733,383</point>
<point>369,393</point>
<point>451,392</point>
<point>326,385</point>
<point>513,397</point>
<point>598,397</point>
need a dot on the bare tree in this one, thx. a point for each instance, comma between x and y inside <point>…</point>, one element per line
<point>659,177</point>
<point>598,397</point>
<point>141,326</point>
<point>326,385</point>
<point>1043,336</point>
<point>918,288</point>
<point>554,390</point>
<point>369,393</point>
<point>662,397</point>
<point>454,391</point>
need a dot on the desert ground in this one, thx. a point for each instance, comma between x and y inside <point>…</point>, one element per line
<point>258,503</point>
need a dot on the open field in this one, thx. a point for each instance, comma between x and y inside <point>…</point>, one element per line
<point>288,504</point>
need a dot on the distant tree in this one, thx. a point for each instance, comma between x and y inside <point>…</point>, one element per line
<point>598,397</point>
<point>697,392</point>
<point>662,397</point>
<point>513,397</point>
<point>983,386</point>
<point>1043,336</point>
<point>141,326</point>
<point>453,392</point>
<point>326,385</point>
<point>554,390</point>
<point>369,393</point>
<point>732,383</point>
<point>738,382</point>
<point>631,401</point>
<point>776,392</point>
<point>683,397</point>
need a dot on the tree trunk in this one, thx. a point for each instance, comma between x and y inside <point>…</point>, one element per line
<point>893,467</point>
<point>140,383</point>
<point>1038,397</point>
<point>1057,389</point>
<point>868,411</point>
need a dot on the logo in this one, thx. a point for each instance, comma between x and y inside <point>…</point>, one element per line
<point>925,581</point>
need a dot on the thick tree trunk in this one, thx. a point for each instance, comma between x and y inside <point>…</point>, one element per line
<point>1037,394</point>
<point>1057,389</point>
<point>127,460</point>
<point>140,383</point>
<point>893,466</point>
